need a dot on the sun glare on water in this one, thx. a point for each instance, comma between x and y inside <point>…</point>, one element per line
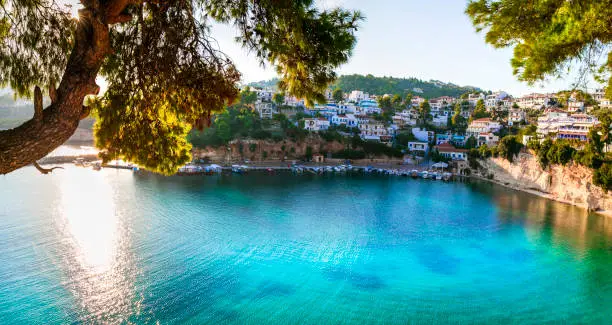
<point>96,261</point>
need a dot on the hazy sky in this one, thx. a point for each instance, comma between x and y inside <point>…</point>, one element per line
<point>430,39</point>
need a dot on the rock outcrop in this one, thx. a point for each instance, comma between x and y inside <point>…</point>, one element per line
<point>570,184</point>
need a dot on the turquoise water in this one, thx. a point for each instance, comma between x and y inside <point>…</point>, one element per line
<point>114,247</point>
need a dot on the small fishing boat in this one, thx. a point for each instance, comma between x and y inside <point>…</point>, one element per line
<point>425,175</point>
<point>447,177</point>
<point>237,169</point>
<point>414,173</point>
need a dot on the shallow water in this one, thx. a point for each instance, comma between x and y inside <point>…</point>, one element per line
<point>116,247</point>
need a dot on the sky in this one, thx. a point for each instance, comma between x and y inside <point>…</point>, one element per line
<point>430,39</point>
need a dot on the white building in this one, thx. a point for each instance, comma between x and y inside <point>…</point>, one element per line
<point>406,118</point>
<point>423,135</point>
<point>418,146</point>
<point>574,105</point>
<point>535,101</point>
<point>516,115</point>
<point>440,119</point>
<point>316,124</point>
<point>576,126</point>
<point>600,97</point>
<point>449,151</point>
<point>373,130</point>
<point>487,138</point>
<point>264,95</point>
<point>345,119</point>
<point>482,125</point>
<point>474,98</point>
<point>368,107</point>
<point>495,98</point>
<point>357,96</point>
<point>265,110</point>
<point>417,101</point>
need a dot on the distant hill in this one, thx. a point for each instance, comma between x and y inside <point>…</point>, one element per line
<point>264,83</point>
<point>389,85</point>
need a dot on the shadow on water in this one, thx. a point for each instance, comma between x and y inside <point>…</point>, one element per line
<point>360,280</point>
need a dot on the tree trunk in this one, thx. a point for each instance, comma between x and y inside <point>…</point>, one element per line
<point>34,139</point>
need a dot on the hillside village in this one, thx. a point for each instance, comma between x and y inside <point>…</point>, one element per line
<point>445,127</point>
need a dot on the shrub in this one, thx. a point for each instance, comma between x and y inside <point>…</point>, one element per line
<point>509,147</point>
<point>603,176</point>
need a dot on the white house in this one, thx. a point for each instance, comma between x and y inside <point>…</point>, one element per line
<point>373,130</point>
<point>487,138</point>
<point>449,151</point>
<point>418,146</point>
<point>574,105</point>
<point>264,95</point>
<point>474,98</point>
<point>417,101</point>
<point>357,96</point>
<point>440,119</point>
<point>600,97</point>
<point>423,135</point>
<point>482,125</point>
<point>576,126</point>
<point>265,110</point>
<point>492,100</point>
<point>316,124</point>
<point>537,101</point>
<point>368,106</point>
<point>516,115</point>
<point>406,118</point>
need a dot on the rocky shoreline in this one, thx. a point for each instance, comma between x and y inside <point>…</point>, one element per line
<point>569,184</point>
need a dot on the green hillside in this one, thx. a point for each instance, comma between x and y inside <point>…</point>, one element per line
<point>389,85</point>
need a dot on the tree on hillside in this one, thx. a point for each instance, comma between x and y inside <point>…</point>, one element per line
<point>278,98</point>
<point>548,35</point>
<point>509,147</point>
<point>164,72</point>
<point>338,95</point>
<point>458,122</point>
<point>384,102</point>
<point>424,110</point>
<point>248,96</point>
<point>408,100</point>
<point>480,111</point>
<point>396,102</point>
<point>471,142</point>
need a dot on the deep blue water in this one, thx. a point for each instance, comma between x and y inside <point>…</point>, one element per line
<point>79,246</point>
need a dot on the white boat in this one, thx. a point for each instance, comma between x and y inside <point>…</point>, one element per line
<point>425,175</point>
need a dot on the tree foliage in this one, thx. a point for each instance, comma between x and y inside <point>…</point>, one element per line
<point>278,98</point>
<point>548,35</point>
<point>164,72</point>
<point>338,95</point>
<point>424,110</point>
<point>248,96</point>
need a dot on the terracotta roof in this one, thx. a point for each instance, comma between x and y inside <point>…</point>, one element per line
<point>447,147</point>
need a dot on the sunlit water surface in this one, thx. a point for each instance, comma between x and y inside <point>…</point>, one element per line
<point>79,246</point>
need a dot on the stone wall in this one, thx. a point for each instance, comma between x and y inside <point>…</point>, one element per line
<point>570,184</point>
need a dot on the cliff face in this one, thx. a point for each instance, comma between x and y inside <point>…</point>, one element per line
<point>570,184</point>
<point>254,150</point>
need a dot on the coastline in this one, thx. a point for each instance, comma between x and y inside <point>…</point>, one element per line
<point>607,213</point>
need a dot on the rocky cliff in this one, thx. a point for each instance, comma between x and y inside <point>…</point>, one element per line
<point>570,184</point>
<point>261,150</point>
